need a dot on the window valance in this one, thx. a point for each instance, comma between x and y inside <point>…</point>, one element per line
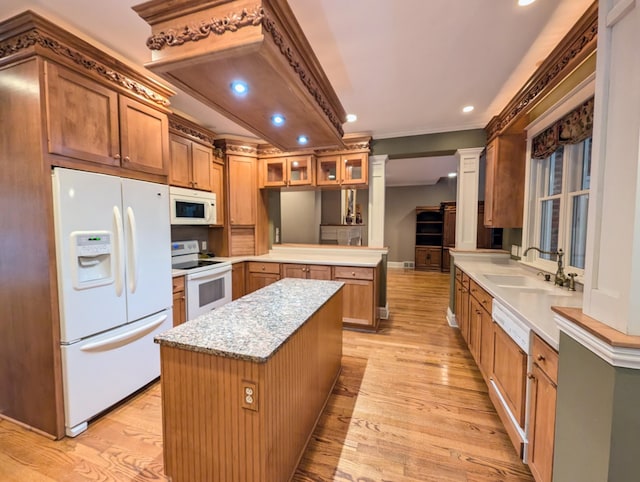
<point>572,128</point>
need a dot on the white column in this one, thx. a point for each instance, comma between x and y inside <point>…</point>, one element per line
<point>467,198</point>
<point>376,200</point>
<point>612,271</point>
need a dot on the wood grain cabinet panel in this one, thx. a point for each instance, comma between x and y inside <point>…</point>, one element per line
<point>542,410</point>
<point>144,137</point>
<point>306,271</point>
<point>90,122</point>
<point>360,296</point>
<point>243,186</point>
<point>504,182</point>
<point>217,187</point>
<point>82,117</point>
<point>260,275</point>
<point>190,164</point>
<point>179,306</point>
<point>237,280</point>
<point>509,373</point>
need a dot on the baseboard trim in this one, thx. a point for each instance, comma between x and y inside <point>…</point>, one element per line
<point>451,318</point>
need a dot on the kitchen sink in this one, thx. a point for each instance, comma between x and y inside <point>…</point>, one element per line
<point>512,280</point>
<point>525,284</point>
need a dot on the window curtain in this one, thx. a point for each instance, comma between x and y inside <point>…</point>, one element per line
<point>574,127</point>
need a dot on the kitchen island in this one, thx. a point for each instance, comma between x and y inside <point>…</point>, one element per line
<point>244,385</point>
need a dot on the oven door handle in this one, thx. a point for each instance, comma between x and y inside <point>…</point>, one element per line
<point>207,274</point>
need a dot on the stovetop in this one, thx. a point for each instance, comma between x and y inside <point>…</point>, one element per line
<point>197,263</point>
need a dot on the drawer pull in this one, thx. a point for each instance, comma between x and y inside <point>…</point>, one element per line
<point>263,268</point>
<point>540,358</point>
<point>353,273</point>
<point>531,376</point>
<point>484,302</point>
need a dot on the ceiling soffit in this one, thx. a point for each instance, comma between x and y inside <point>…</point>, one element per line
<point>203,48</point>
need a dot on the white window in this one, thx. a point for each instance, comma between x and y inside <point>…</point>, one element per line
<point>561,200</point>
<point>558,182</point>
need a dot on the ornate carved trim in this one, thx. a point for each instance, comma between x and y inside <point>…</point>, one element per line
<point>353,146</point>
<point>192,33</point>
<point>33,38</point>
<point>290,53</point>
<point>574,48</point>
<point>190,132</point>
<point>232,23</point>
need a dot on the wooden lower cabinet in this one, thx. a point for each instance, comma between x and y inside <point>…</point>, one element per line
<point>179,307</point>
<point>462,303</point>
<point>475,323</point>
<point>542,410</point>
<point>428,258</point>
<point>260,275</point>
<point>237,281</point>
<point>306,271</point>
<point>360,308</point>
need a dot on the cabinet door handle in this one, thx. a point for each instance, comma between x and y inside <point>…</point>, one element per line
<point>126,159</point>
<point>117,157</point>
<point>531,376</point>
<point>195,183</point>
<point>484,302</point>
<point>540,358</point>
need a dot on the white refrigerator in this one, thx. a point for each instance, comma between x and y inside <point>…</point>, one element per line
<point>114,287</point>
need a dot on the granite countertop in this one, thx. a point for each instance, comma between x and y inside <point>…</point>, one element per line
<point>531,305</point>
<point>328,255</point>
<point>255,326</point>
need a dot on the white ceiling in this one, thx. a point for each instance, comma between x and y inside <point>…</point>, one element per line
<point>404,67</point>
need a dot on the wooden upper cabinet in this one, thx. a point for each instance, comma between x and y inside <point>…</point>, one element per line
<point>180,153</point>
<point>243,186</point>
<point>504,182</point>
<point>90,122</point>
<point>190,164</point>
<point>288,171</point>
<point>343,170</point>
<point>144,137</point>
<point>217,187</point>
<point>82,117</point>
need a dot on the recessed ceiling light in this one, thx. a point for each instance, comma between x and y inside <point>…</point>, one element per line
<point>352,117</point>
<point>239,87</point>
<point>453,174</point>
<point>468,108</point>
<point>277,120</point>
<point>303,139</point>
<point>524,3</point>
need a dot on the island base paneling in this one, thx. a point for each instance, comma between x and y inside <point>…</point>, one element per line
<point>208,435</point>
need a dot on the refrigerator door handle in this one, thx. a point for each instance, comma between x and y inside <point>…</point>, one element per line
<point>117,222</point>
<point>124,337</point>
<point>132,250</point>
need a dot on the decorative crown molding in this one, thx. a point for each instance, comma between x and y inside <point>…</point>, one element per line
<point>192,33</point>
<point>307,80</point>
<point>232,23</point>
<point>576,46</point>
<point>190,131</point>
<point>36,38</point>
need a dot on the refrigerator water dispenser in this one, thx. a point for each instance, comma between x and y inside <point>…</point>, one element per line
<point>92,253</point>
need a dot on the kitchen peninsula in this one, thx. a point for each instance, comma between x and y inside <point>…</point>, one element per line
<point>244,385</point>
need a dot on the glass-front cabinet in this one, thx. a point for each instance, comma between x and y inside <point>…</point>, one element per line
<point>288,171</point>
<point>346,169</point>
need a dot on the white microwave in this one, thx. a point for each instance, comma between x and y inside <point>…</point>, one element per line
<point>189,206</point>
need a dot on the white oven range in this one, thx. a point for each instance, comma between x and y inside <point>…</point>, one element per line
<point>208,282</point>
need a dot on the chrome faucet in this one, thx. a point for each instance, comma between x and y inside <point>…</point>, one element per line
<point>560,278</point>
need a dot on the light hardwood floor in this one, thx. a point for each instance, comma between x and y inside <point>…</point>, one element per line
<point>410,406</point>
